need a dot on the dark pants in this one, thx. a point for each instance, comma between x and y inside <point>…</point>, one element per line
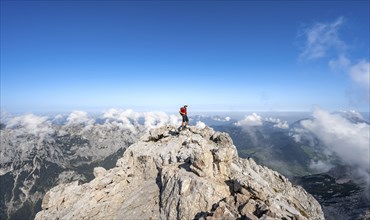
<point>185,118</point>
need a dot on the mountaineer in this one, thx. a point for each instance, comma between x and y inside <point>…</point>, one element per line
<point>184,114</point>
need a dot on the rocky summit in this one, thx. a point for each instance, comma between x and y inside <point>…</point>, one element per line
<point>192,174</point>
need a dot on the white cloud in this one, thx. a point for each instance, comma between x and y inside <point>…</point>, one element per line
<point>4,116</point>
<point>322,38</point>
<point>121,115</point>
<point>130,119</point>
<point>278,123</point>
<point>115,127</point>
<point>126,119</point>
<point>360,74</point>
<point>255,120</point>
<point>200,125</point>
<point>218,118</point>
<point>353,114</point>
<point>250,120</point>
<point>58,117</point>
<point>320,166</point>
<point>79,117</point>
<point>175,120</point>
<point>155,119</point>
<point>31,124</point>
<point>158,119</point>
<point>341,63</point>
<point>350,141</point>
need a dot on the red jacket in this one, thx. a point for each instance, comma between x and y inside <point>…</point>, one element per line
<point>183,111</point>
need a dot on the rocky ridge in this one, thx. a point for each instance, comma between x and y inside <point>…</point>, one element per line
<point>192,174</point>
<point>35,159</point>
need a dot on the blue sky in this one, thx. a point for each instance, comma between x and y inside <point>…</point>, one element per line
<point>158,55</point>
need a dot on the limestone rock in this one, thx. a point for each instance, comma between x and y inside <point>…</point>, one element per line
<point>195,174</point>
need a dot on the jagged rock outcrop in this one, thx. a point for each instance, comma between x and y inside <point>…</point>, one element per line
<point>193,174</point>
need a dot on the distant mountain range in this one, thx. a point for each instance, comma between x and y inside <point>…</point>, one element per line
<point>37,153</point>
<point>32,163</point>
<point>342,194</point>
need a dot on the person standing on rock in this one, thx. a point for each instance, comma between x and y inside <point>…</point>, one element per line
<point>185,120</point>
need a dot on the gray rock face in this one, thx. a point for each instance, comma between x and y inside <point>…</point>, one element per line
<point>193,174</point>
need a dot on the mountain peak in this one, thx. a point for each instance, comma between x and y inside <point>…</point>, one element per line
<point>192,174</point>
